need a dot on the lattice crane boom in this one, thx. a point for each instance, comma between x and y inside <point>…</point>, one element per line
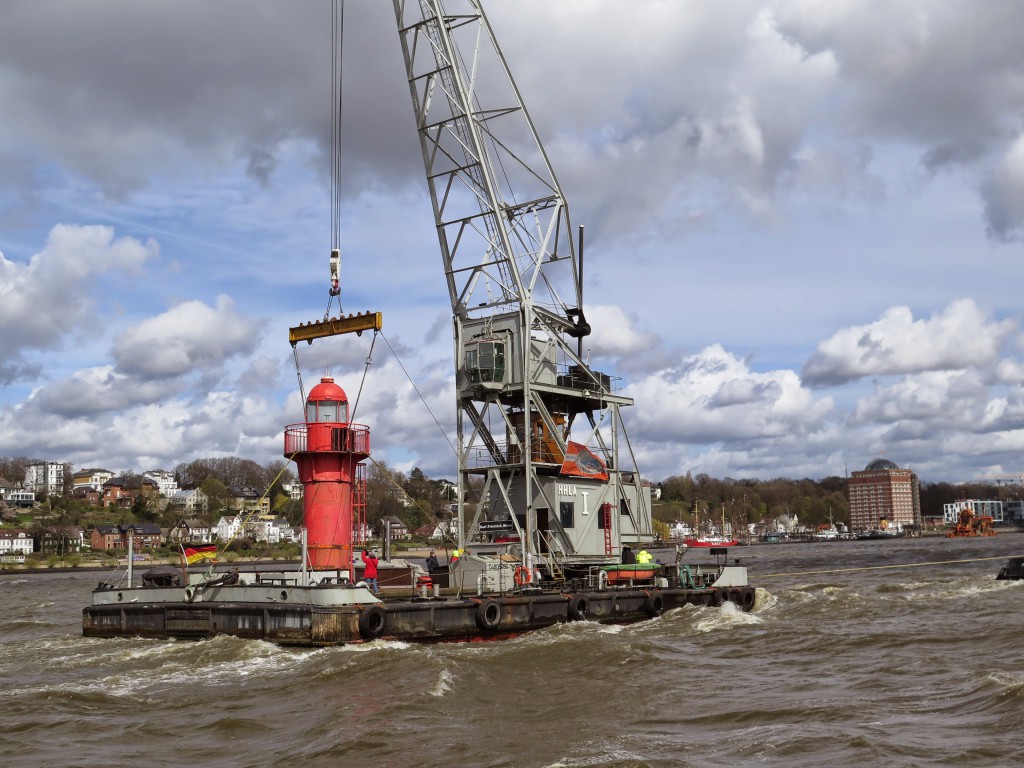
<point>514,278</point>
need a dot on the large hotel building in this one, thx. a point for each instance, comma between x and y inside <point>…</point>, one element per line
<point>882,496</point>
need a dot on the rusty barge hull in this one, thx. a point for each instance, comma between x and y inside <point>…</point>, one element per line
<point>420,620</point>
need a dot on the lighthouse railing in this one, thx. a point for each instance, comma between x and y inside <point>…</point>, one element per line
<point>340,438</point>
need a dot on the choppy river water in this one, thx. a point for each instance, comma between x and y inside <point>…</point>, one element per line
<point>895,666</point>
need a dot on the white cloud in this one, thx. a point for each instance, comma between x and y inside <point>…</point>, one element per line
<point>615,334</point>
<point>952,399</point>
<point>958,337</point>
<point>96,390</point>
<point>713,397</point>
<point>191,337</point>
<point>45,303</point>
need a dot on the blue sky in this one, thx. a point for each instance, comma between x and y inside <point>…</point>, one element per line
<point>803,221</point>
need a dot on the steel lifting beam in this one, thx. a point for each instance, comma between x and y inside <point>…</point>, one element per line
<point>336,326</point>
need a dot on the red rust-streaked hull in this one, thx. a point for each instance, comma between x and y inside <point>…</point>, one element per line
<point>710,542</point>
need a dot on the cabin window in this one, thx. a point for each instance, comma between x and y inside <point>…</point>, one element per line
<point>485,361</point>
<point>567,513</point>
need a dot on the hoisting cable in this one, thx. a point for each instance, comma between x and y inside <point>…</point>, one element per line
<point>422,399</point>
<point>882,567</point>
<point>337,71</point>
<point>362,381</point>
<point>298,372</point>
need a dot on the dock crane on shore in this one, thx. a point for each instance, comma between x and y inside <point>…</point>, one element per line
<point>534,421</point>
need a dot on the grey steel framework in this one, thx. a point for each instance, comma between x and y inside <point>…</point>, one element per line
<point>514,276</point>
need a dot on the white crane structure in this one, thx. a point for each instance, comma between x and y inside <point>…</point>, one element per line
<point>515,279</point>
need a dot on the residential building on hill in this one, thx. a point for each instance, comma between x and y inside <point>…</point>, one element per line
<point>294,490</point>
<point>271,530</point>
<point>229,527</point>
<point>14,495</point>
<point>15,542</point>
<point>117,536</point>
<point>47,477</point>
<point>87,494</point>
<point>883,495</point>
<point>164,480</point>
<point>395,527</point>
<point>188,501</point>
<point>91,478</point>
<point>191,531</point>
<point>248,499</point>
<point>121,491</point>
<point>61,539</point>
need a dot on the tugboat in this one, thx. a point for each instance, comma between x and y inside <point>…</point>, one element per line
<point>546,499</point>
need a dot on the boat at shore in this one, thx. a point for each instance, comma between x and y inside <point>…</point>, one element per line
<point>881,534</point>
<point>708,540</point>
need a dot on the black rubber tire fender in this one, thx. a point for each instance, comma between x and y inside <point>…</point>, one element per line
<point>371,622</point>
<point>579,606</point>
<point>748,597</point>
<point>716,598</point>
<point>488,615</point>
<point>655,604</point>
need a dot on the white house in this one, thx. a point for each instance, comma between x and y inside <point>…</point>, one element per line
<point>48,477</point>
<point>446,529</point>
<point>285,530</point>
<point>271,530</point>
<point>228,527</point>
<point>15,542</point>
<point>191,531</point>
<point>15,495</point>
<point>164,480</point>
<point>294,490</point>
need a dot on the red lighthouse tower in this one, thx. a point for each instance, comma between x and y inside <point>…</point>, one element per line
<point>328,451</point>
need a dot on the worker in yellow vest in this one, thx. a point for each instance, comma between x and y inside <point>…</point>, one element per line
<point>643,556</point>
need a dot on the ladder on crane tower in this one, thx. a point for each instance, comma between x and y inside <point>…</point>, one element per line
<point>606,517</point>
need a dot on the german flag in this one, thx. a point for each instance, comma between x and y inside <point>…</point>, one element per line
<point>196,554</point>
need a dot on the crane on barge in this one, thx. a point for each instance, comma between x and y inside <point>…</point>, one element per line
<point>535,422</point>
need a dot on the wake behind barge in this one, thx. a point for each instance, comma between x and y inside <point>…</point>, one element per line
<point>298,608</point>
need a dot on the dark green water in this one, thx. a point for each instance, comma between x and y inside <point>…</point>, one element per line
<point>894,667</point>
